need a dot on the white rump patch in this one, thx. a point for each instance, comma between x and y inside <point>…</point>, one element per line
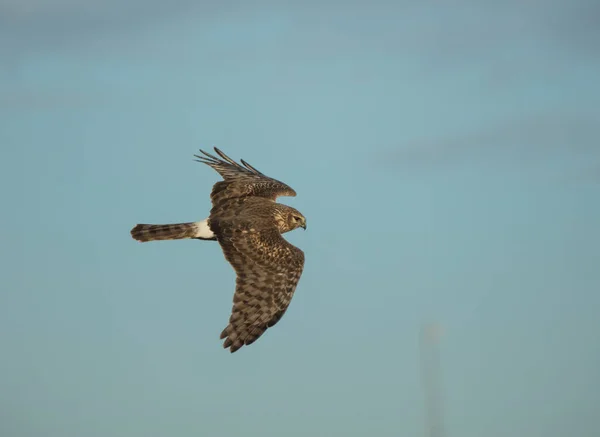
<point>203,230</point>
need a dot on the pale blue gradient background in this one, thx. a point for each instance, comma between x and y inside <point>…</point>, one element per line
<point>446,155</point>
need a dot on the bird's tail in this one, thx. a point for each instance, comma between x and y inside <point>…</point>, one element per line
<point>177,231</point>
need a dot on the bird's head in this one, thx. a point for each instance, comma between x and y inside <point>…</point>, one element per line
<point>290,219</point>
<point>296,220</point>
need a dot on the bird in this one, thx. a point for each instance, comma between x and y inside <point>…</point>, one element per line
<point>247,222</point>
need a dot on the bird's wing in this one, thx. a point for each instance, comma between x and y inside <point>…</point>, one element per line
<point>268,269</point>
<point>241,180</point>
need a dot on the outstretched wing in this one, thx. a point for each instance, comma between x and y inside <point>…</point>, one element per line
<point>241,181</point>
<point>268,269</point>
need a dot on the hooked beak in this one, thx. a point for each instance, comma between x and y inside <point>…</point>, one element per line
<point>303,226</point>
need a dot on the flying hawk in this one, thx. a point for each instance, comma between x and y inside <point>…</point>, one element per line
<point>247,222</point>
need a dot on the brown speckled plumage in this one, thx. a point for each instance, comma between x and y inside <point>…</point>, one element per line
<point>248,223</point>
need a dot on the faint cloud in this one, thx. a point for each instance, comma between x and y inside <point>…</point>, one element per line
<point>37,24</point>
<point>446,29</point>
<point>588,174</point>
<point>536,134</point>
<point>454,32</point>
<point>19,8</point>
<point>42,100</point>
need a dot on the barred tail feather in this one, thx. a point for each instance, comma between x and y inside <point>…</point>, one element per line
<point>177,231</point>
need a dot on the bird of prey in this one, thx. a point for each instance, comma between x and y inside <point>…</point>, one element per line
<point>248,224</point>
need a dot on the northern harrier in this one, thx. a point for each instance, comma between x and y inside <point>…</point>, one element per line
<point>247,222</point>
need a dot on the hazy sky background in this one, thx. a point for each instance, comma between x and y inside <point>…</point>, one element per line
<point>446,155</point>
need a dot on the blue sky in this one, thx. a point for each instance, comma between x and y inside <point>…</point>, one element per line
<point>446,156</point>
